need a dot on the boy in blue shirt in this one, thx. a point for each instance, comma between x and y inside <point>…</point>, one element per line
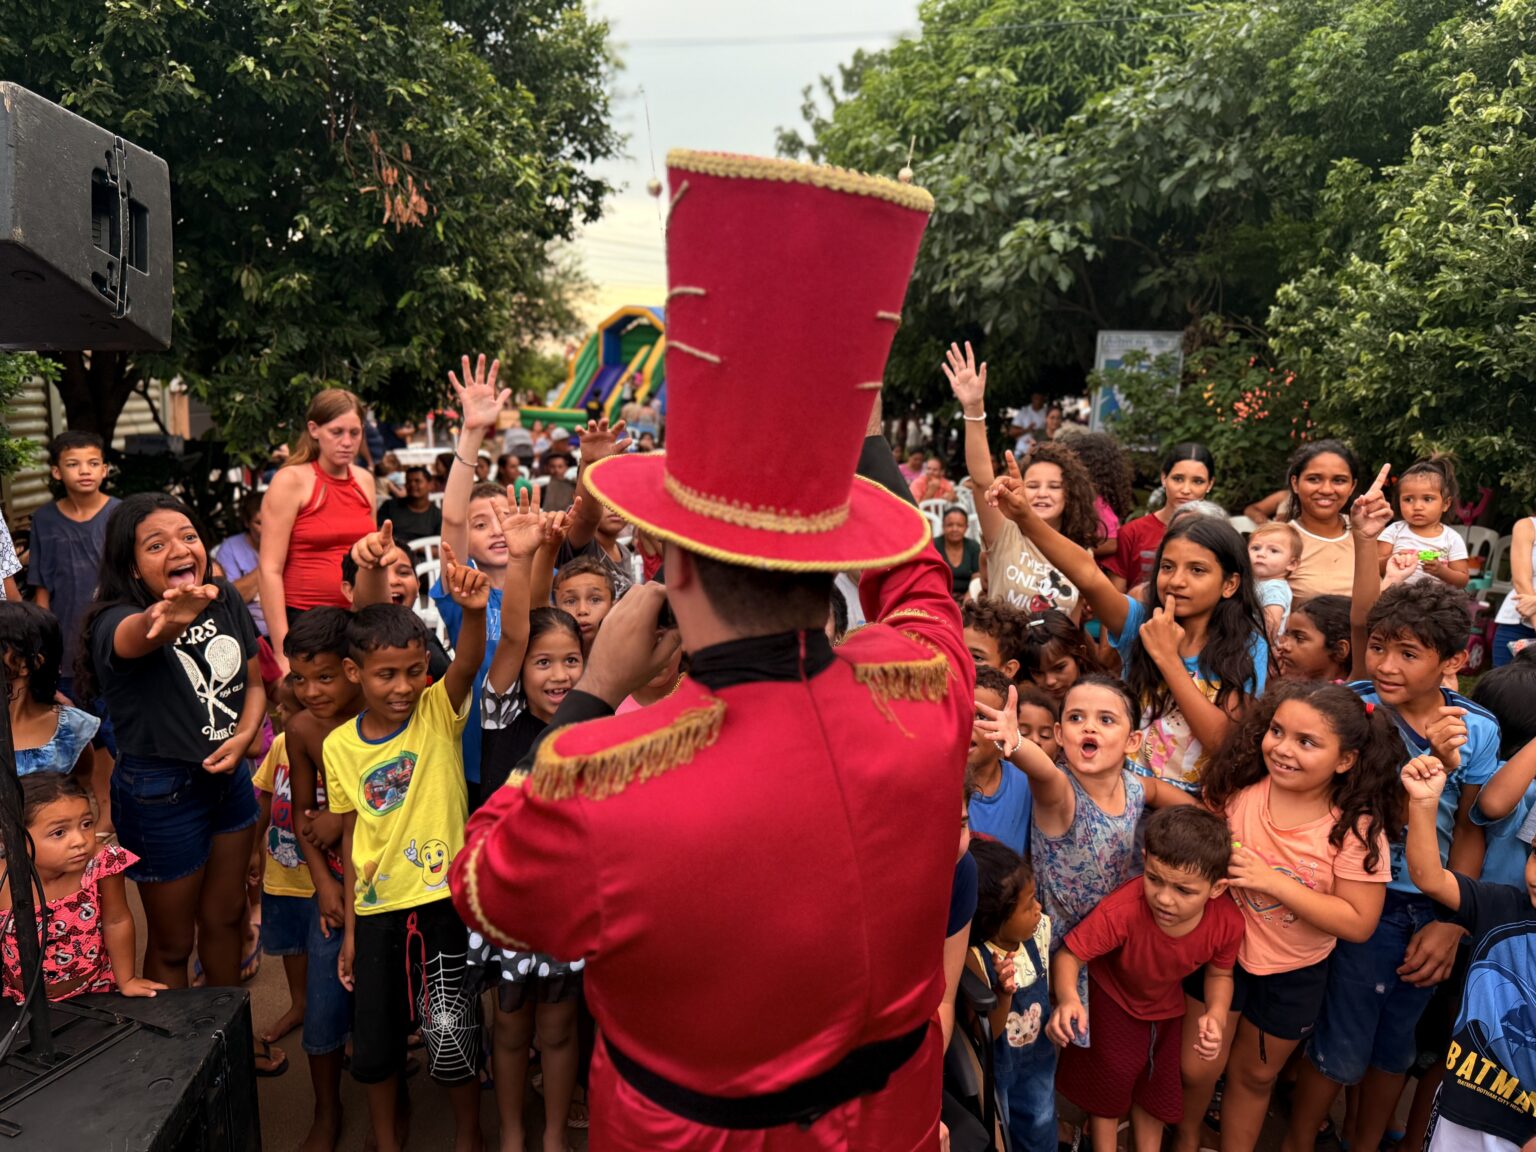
<point>1407,643</point>
<point>1002,803</point>
<point>1490,1065</point>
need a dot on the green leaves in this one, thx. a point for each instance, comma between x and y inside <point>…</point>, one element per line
<point>362,190</point>
<point>1428,342</point>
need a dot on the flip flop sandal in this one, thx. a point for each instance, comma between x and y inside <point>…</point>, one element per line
<point>577,1117</point>
<point>264,1052</point>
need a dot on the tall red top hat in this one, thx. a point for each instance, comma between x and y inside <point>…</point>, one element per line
<point>786,285</point>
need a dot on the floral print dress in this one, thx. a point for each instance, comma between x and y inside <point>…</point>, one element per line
<point>75,949</point>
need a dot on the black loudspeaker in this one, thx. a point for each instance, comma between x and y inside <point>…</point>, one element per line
<point>85,233</point>
<point>170,1074</point>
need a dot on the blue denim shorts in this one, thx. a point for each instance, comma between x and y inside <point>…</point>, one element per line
<point>167,813</point>
<point>290,926</point>
<point>1370,1014</point>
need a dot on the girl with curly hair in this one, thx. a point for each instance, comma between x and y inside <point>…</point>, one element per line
<point>1058,488</point>
<point>1308,785</point>
<point>1060,492</point>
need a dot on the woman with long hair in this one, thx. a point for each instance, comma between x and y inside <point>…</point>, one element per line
<point>319,504</point>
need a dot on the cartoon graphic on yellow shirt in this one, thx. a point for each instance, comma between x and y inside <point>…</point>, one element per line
<point>432,859</point>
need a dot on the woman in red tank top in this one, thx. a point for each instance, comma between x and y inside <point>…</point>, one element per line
<point>319,504</point>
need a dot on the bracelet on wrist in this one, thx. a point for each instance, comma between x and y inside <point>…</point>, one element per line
<point>460,459</point>
<point>974,419</point>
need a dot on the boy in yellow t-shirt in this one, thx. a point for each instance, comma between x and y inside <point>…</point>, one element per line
<point>286,889</point>
<point>395,775</point>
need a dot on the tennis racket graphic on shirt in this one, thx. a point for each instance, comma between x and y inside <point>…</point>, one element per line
<point>217,656</point>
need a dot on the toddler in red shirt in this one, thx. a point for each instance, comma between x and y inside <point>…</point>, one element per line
<point>1139,944</point>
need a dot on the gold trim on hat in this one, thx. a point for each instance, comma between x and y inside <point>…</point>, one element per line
<point>748,516</point>
<point>794,172</point>
<point>922,535</point>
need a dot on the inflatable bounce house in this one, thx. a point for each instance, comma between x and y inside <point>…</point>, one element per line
<point>628,346</point>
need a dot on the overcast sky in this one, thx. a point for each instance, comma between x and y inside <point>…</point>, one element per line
<point>715,75</point>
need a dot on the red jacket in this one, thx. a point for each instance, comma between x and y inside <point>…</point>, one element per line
<point>758,875</point>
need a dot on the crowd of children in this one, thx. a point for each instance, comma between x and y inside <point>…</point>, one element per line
<point>1236,833</point>
<point>1300,930</point>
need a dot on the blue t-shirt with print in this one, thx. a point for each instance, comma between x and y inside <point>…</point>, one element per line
<point>453,620</point>
<point>1479,761</point>
<point>1169,750</point>
<point>1004,815</point>
<point>1504,860</point>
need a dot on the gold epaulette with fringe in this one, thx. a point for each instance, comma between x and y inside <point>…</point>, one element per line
<point>924,679</point>
<point>606,772</point>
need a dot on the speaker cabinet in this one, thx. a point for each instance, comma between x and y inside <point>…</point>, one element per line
<point>180,1078</point>
<point>85,233</point>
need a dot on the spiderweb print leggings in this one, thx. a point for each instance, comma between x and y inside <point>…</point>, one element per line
<point>444,1001</point>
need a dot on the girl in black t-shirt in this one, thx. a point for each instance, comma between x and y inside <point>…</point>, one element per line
<point>174,653</point>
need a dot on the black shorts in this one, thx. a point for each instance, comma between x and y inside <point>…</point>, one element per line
<point>409,968</point>
<point>1284,1005</point>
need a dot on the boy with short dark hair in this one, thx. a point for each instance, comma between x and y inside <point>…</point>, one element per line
<point>994,633</point>
<point>1141,943</point>
<point>396,776</point>
<point>1485,1101</point>
<point>67,540</point>
<point>316,646</point>
<point>585,588</point>
<point>1002,802</point>
<point>1407,640</point>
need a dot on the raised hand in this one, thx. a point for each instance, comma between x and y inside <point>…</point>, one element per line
<point>1008,975</point>
<point>1424,779</point>
<point>522,523</point>
<point>1208,1041</point>
<point>178,607</point>
<point>1446,734</point>
<point>966,381</point>
<point>600,441</point>
<point>1001,726</point>
<point>1372,511</point>
<point>469,587</point>
<point>1162,635</point>
<point>369,552</point>
<point>479,400</point>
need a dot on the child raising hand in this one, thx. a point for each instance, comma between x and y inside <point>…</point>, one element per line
<point>1193,650</point>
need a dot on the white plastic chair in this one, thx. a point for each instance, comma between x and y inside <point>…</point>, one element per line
<point>427,547</point>
<point>1243,524</point>
<point>1498,564</point>
<point>430,570</point>
<point>1483,542</point>
<point>436,498</point>
<point>934,510</point>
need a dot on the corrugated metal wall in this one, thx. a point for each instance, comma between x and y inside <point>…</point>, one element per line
<point>39,414</point>
<point>31,416</point>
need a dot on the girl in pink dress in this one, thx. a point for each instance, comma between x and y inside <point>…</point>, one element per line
<point>89,945</point>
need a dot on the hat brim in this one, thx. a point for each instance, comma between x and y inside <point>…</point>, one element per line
<point>881,529</point>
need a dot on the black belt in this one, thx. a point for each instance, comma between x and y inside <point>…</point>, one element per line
<point>864,1070</point>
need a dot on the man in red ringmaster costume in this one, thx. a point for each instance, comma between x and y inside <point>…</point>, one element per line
<point>757,869</point>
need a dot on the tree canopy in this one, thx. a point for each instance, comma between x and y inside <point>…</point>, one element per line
<point>361,190</point>
<point>1149,172</point>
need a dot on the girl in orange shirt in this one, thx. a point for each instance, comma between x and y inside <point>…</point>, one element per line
<point>1308,784</point>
